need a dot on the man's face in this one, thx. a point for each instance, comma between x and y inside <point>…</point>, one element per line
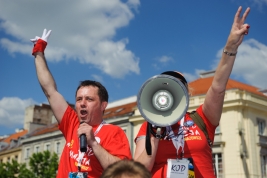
<point>88,105</point>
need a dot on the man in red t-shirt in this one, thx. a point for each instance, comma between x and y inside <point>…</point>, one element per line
<point>192,144</point>
<point>104,143</point>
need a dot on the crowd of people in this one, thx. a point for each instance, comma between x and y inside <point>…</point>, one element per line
<point>107,154</point>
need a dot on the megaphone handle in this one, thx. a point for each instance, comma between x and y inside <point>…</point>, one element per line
<point>148,142</point>
<point>158,133</point>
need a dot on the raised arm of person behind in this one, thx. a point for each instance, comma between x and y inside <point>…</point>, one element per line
<point>210,112</point>
<point>213,103</point>
<point>103,147</point>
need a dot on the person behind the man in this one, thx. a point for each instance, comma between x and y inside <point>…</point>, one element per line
<point>126,169</point>
<point>106,143</point>
<point>185,146</point>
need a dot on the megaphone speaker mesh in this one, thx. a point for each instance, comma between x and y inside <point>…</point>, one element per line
<point>161,117</point>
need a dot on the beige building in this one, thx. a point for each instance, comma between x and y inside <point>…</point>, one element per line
<point>10,146</point>
<point>240,146</point>
<point>42,139</point>
<point>38,116</point>
<point>35,117</point>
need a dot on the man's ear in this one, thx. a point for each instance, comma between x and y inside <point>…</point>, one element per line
<point>104,105</point>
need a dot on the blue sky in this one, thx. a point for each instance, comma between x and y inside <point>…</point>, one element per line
<point>121,44</point>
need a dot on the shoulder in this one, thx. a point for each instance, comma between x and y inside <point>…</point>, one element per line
<point>112,127</point>
<point>70,119</point>
<point>199,111</point>
<point>107,125</point>
<point>70,112</point>
<point>110,133</point>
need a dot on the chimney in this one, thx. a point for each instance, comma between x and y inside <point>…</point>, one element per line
<point>207,74</point>
<point>264,91</point>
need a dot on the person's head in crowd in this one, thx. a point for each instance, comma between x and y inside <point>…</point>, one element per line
<point>126,169</point>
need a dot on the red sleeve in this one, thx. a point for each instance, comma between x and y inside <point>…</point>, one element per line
<point>116,142</point>
<point>142,131</point>
<point>210,128</point>
<point>70,119</point>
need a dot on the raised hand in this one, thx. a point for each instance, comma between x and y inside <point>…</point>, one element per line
<point>40,43</point>
<point>44,37</point>
<point>239,29</point>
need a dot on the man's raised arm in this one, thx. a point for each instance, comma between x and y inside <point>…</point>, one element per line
<point>45,78</point>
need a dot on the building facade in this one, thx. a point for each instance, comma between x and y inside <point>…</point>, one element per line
<point>48,138</point>
<point>38,116</point>
<point>10,146</point>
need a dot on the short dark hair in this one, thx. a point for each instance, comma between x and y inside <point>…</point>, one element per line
<point>102,91</point>
<point>177,75</point>
<point>126,167</point>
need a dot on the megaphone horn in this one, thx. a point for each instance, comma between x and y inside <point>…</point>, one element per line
<point>163,100</point>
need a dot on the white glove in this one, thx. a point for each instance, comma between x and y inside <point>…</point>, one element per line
<point>44,37</point>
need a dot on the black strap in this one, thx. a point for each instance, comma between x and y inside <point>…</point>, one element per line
<point>148,142</point>
<point>200,123</point>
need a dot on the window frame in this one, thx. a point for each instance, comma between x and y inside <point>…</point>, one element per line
<point>261,123</point>
<point>27,153</point>
<point>217,159</point>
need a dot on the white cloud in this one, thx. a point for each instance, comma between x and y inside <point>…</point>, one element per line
<point>162,61</point>
<point>98,78</point>
<point>81,31</point>
<point>191,77</point>
<point>12,111</point>
<point>165,59</point>
<point>14,47</point>
<point>250,63</point>
<point>113,59</point>
<point>260,3</point>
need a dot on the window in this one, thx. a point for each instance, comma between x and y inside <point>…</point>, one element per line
<point>36,149</point>
<point>124,128</point>
<point>218,130</point>
<point>47,147</point>
<point>27,153</point>
<point>261,126</point>
<point>8,159</point>
<point>218,164</point>
<point>57,147</point>
<point>263,166</point>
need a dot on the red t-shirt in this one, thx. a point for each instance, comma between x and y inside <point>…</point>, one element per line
<point>195,146</point>
<point>112,138</point>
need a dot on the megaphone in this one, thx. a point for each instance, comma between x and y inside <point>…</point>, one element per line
<point>163,100</point>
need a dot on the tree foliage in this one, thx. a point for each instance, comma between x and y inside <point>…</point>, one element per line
<point>15,170</point>
<point>42,164</point>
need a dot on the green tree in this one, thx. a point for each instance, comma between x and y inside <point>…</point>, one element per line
<point>44,164</point>
<point>14,170</point>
